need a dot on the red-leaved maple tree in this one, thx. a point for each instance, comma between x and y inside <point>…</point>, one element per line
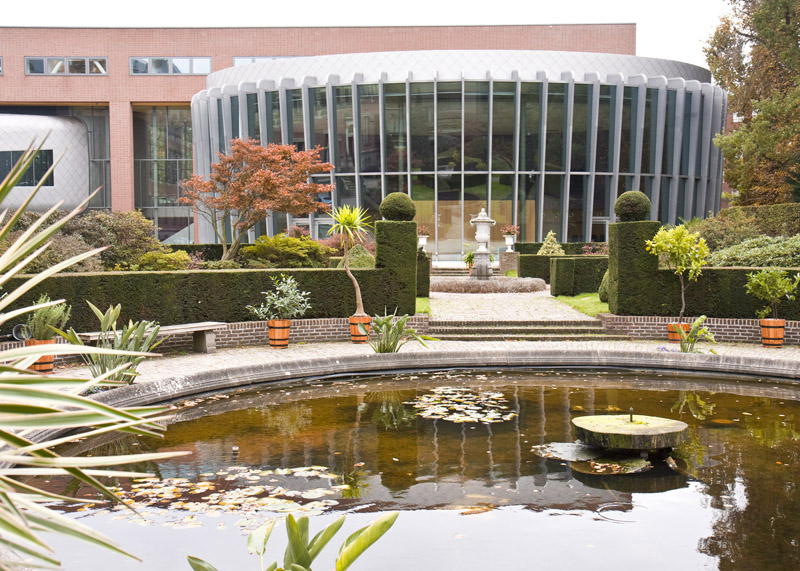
<point>242,186</point>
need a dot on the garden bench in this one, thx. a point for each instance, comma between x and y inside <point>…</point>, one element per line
<point>203,334</point>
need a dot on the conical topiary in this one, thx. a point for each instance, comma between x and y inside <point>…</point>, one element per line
<point>550,246</point>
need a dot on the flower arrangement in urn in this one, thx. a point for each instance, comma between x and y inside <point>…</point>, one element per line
<point>509,230</point>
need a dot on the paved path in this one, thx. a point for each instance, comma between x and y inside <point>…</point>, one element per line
<point>538,306</point>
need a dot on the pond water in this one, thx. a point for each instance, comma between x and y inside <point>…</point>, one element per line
<point>452,452</point>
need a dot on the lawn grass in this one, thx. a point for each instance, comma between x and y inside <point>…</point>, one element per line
<point>511,274</point>
<point>588,303</point>
<point>423,305</point>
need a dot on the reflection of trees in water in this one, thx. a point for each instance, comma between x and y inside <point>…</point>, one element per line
<point>698,408</point>
<point>287,420</point>
<point>390,412</point>
<point>755,487</point>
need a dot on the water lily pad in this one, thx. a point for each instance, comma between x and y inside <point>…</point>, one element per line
<point>568,451</point>
<point>613,465</point>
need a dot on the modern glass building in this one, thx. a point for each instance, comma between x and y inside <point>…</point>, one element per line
<point>545,140</point>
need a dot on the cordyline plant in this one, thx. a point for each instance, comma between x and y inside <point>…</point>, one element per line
<point>351,224</point>
<point>31,402</point>
<point>253,179</point>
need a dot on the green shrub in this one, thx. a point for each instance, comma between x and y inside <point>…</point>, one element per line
<point>282,251</point>
<point>283,301</point>
<point>570,248</point>
<point>224,265</point>
<point>728,228</point>
<point>398,206</point>
<point>761,252</point>
<point>163,261</point>
<point>602,291</point>
<point>632,206</point>
<point>773,286</point>
<point>534,266</point>
<point>42,323</point>
<point>775,219</point>
<point>132,235</point>
<point>359,258</point>
<point>550,246</point>
<point>62,248</point>
<point>209,252</point>
<point>423,273</point>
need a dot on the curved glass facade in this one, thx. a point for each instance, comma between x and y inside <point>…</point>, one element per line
<point>539,153</point>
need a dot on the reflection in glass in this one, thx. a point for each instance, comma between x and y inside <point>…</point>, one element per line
<point>98,66</point>
<point>181,65</point>
<point>395,117</point>
<point>669,139</point>
<point>527,191</point>
<point>449,124</point>
<point>77,66</point>
<point>649,140</point>
<point>504,120</point>
<point>396,183</point>
<point>318,114</point>
<point>476,195</point>
<point>345,191</point>
<point>369,127</point>
<point>551,216</point>
<point>575,214</point>
<point>604,131</point>
<point>448,220</point>
<point>556,127</point>
<point>273,106</point>
<point>343,129</point>
<point>160,65</point>
<point>55,66</point>
<point>529,128</point>
<point>422,127</point>
<point>294,98</point>
<point>253,122</point>
<point>371,195</point>
<point>581,132</point>
<point>234,116</point>
<point>140,65</point>
<point>501,206</point>
<point>476,126</point>
<point>423,195</point>
<point>201,65</point>
<point>627,154</point>
<point>34,65</point>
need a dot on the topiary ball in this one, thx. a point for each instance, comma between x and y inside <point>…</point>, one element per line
<point>632,206</point>
<point>398,206</point>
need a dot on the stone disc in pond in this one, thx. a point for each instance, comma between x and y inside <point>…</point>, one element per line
<point>613,465</point>
<point>616,431</point>
<point>567,451</point>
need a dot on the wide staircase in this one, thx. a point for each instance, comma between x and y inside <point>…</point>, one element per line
<point>520,331</point>
<point>449,272</point>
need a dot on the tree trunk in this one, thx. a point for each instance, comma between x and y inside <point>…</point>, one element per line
<point>359,304</point>
<point>683,298</point>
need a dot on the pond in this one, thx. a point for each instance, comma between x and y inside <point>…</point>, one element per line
<point>452,452</point>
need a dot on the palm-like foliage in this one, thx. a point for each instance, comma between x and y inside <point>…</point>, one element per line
<point>351,224</point>
<point>391,333</point>
<point>34,408</point>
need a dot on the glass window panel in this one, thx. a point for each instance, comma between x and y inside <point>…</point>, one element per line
<point>599,232</point>
<point>649,139</point>
<point>449,126</point>
<point>160,65</point>
<point>369,127</point>
<point>279,223</point>
<point>140,65</point>
<point>397,183</point>
<point>98,66</point>
<point>181,65</point>
<point>295,98</point>
<point>551,214</point>
<point>28,178</point>
<point>253,122</point>
<point>55,66</point>
<point>699,150</point>
<point>476,195</point>
<point>476,126</point>
<point>681,211</point>
<point>345,191</point>
<point>669,139</point>
<point>530,130</point>
<point>34,65</point>
<point>504,119</point>
<point>394,100</point>
<point>220,129</point>
<point>41,163</point>
<point>422,127</point>
<point>179,141</point>
<point>627,154</point>
<point>600,206</point>
<point>318,99</point>
<point>502,207</point>
<point>201,65</point>
<point>168,193</point>
<point>5,164</point>
<point>687,132</point>
<point>234,116</point>
<point>371,195</point>
<point>556,118</point>
<point>604,131</point>
<point>159,142</point>
<point>77,66</point>
<point>449,207</point>
<point>424,195</point>
<point>237,61</point>
<point>581,120</point>
<point>527,191</point>
<point>575,213</point>
<point>273,118</point>
<point>345,152</point>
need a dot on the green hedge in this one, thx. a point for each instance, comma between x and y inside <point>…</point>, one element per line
<point>221,295</point>
<point>578,274</point>
<point>775,219</point>
<point>423,273</point>
<point>637,287</point>
<point>210,252</point>
<point>570,248</point>
<point>533,266</point>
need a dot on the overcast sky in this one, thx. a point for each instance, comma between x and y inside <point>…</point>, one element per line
<point>671,29</point>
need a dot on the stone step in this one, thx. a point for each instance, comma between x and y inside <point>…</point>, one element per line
<point>529,337</point>
<point>516,330</point>
<point>449,272</point>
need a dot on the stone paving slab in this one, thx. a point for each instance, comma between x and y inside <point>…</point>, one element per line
<point>184,375</point>
<point>537,306</point>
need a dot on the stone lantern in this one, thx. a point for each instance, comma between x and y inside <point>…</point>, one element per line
<point>482,269</point>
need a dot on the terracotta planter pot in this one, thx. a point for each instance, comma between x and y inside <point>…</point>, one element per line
<point>45,363</point>
<point>279,333</point>
<point>355,333</point>
<point>672,331</point>
<point>772,331</point>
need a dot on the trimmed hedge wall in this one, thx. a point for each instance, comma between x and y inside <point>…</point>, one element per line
<point>637,287</point>
<point>533,266</point>
<point>221,295</point>
<point>423,274</point>
<point>570,248</point>
<point>775,219</point>
<point>574,275</point>
<point>210,252</point>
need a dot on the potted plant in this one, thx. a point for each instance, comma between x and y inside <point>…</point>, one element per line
<point>279,307</point>
<point>685,254</point>
<point>422,235</point>
<point>510,232</point>
<point>350,223</point>
<point>772,285</point>
<point>41,327</point>
<point>469,258</point>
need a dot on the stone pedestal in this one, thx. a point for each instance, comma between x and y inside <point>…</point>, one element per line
<point>509,261</point>
<point>482,270</point>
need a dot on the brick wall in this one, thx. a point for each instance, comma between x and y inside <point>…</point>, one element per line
<point>724,330</point>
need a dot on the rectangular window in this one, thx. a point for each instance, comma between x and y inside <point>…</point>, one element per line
<point>66,66</point>
<point>170,65</point>
<point>41,163</point>
<point>1,65</point>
